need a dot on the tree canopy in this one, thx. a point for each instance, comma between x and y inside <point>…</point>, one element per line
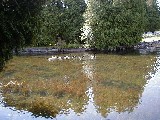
<point>117,23</point>
<point>113,23</point>
<point>16,22</point>
<point>153,16</point>
<point>63,19</point>
<point>25,22</point>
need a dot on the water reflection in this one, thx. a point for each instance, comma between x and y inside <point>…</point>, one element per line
<point>149,104</point>
<point>88,70</point>
<point>105,87</point>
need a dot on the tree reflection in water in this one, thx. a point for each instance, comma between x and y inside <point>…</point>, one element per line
<point>120,83</point>
<point>149,102</point>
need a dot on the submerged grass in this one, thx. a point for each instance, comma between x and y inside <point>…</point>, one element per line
<point>43,87</point>
<point>120,81</point>
<point>47,88</point>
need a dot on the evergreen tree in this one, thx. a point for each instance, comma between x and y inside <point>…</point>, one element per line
<point>62,19</point>
<point>23,22</point>
<point>153,16</point>
<point>17,18</point>
<point>117,22</point>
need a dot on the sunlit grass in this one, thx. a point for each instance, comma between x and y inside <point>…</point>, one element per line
<point>48,88</point>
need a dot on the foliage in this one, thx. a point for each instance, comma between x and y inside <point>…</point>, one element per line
<point>73,45</point>
<point>117,23</point>
<point>153,17</point>
<point>60,19</point>
<point>17,18</point>
<point>38,22</point>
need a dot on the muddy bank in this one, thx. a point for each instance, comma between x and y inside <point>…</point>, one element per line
<point>48,51</point>
<point>142,48</point>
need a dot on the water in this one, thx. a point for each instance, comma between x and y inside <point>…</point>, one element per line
<point>149,103</point>
<point>115,88</point>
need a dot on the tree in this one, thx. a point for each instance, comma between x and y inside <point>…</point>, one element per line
<point>61,18</point>
<point>117,22</point>
<point>17,18</point>
<point>73,20</point>
<point>23,22</point>
<point>152,16</point>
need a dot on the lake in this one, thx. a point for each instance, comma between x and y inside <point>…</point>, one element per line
<point>81,86</point>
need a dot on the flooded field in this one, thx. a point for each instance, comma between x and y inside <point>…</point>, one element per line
<point>81,86</point>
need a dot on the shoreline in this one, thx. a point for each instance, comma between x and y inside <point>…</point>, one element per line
<point>146,46</point>
<point>48,51</point>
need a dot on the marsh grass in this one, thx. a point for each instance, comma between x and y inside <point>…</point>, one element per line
<point>120,81</point>
<point>48,88</point>
<point>45,86</point>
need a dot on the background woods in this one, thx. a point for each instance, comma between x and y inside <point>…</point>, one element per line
<point>113,23</point>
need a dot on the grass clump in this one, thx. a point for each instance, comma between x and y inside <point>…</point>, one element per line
<point>44,106</point>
